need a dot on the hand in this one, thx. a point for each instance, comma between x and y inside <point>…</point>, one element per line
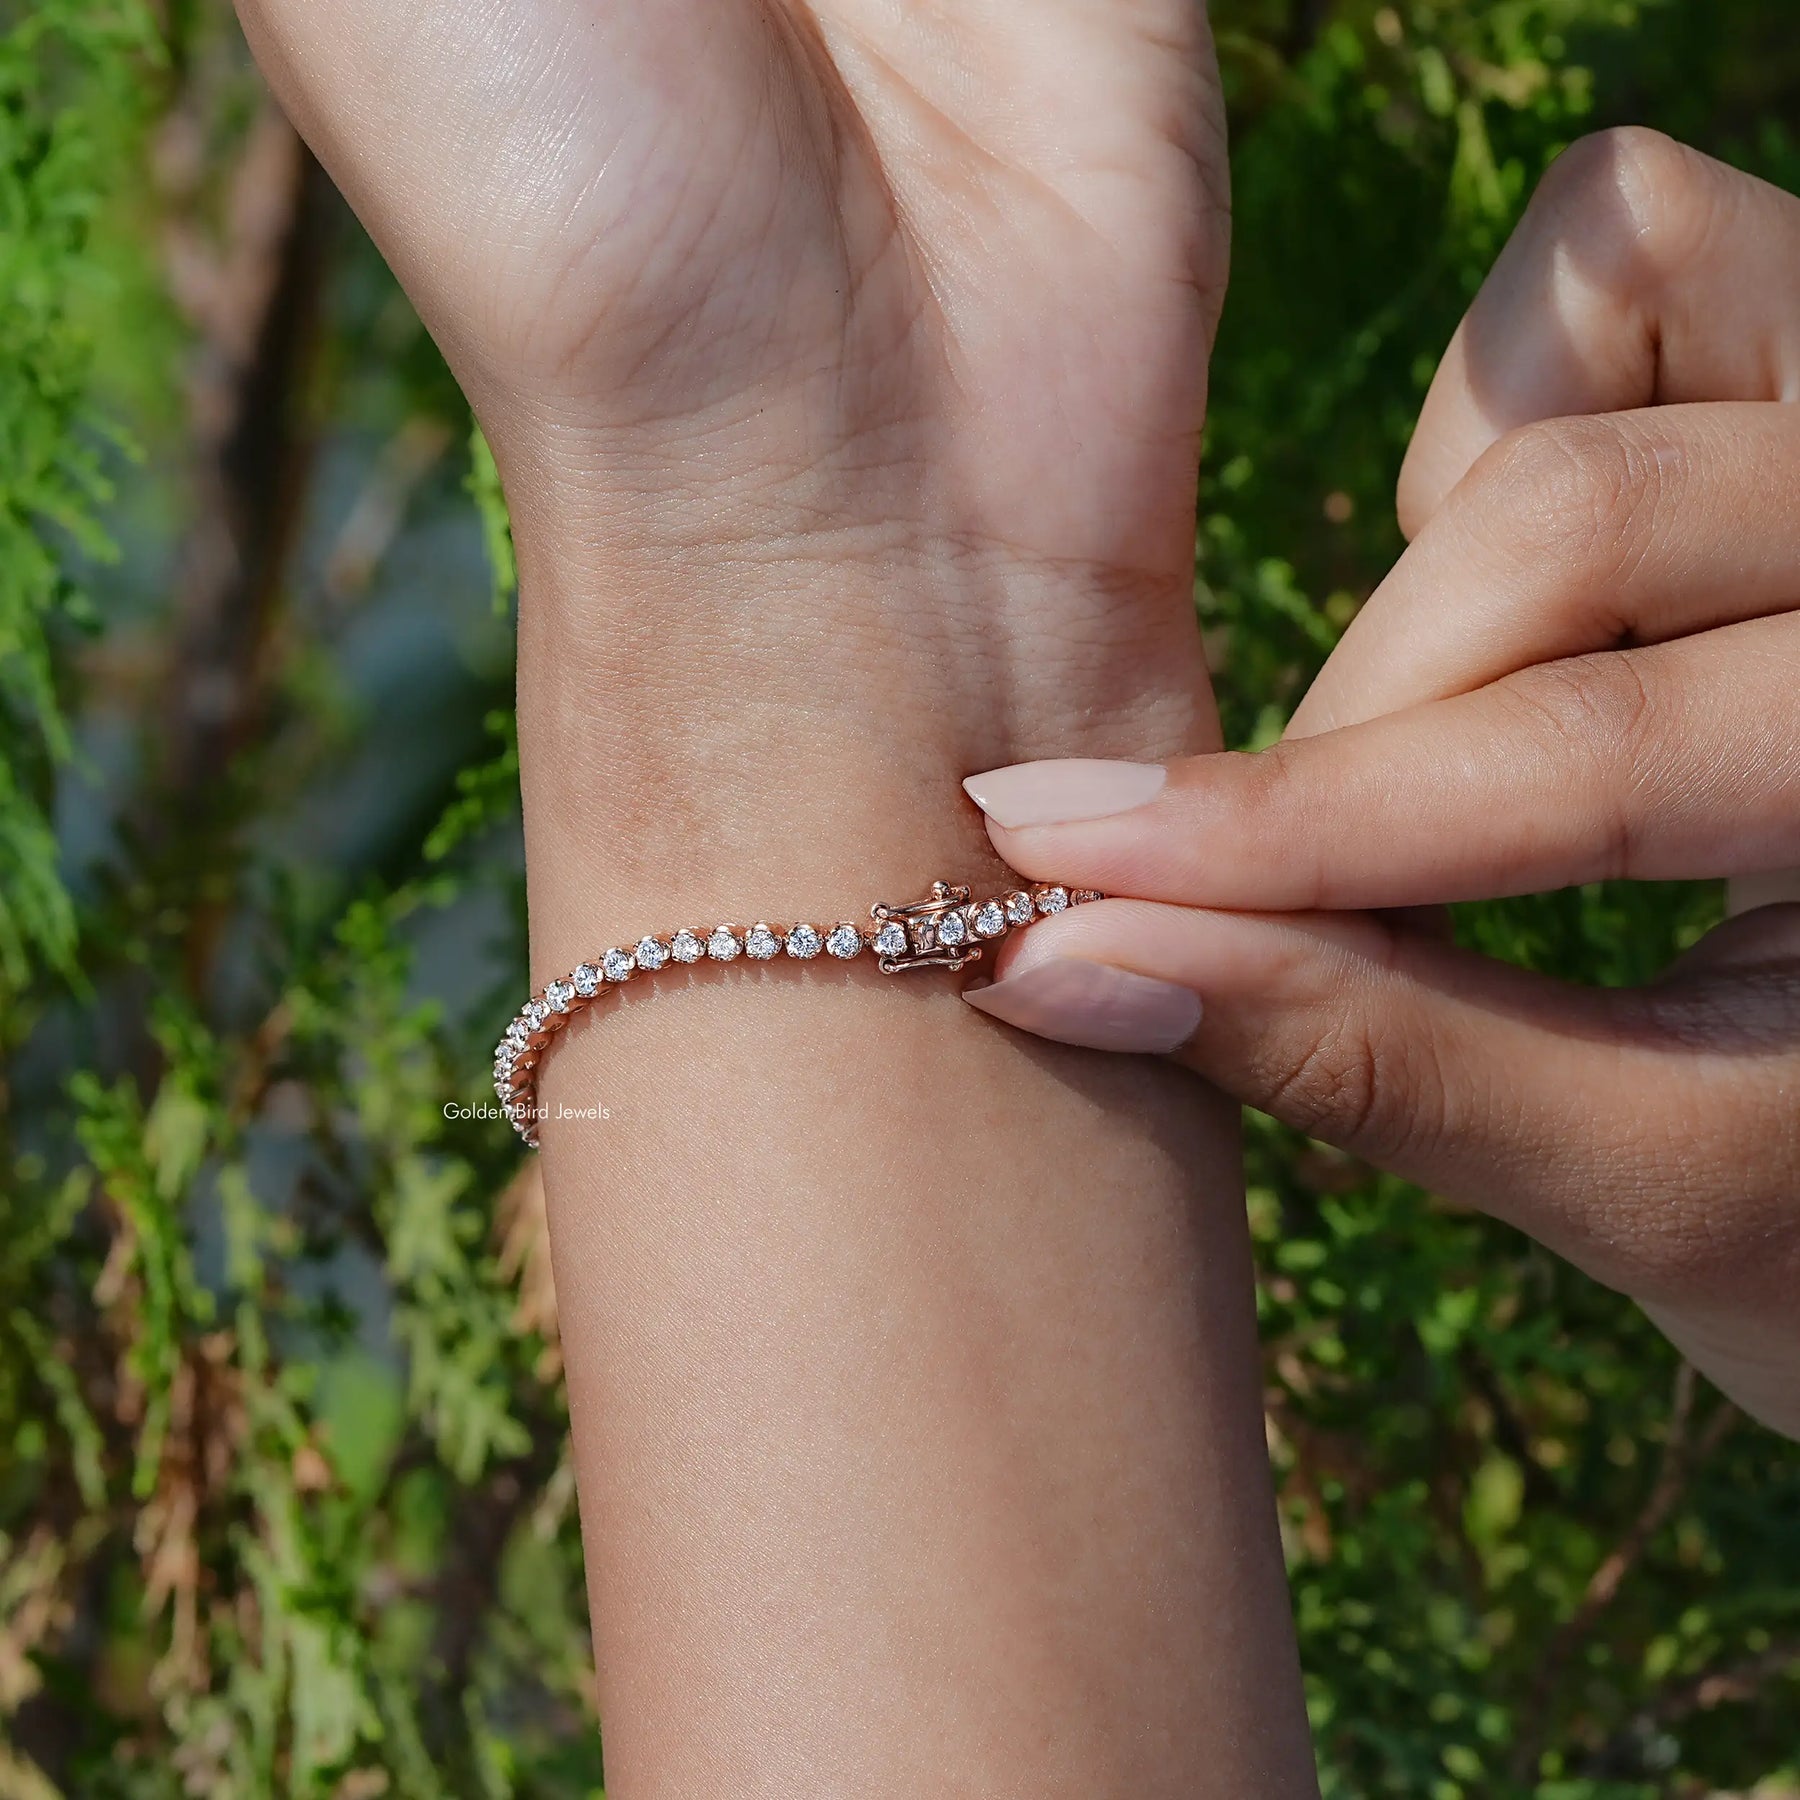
<point>1586,666</point>
<point>846,364</point>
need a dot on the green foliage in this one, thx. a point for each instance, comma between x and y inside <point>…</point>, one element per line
<point>284,1503</point>
<point>1467,1431</point>
<point>68,71</point>
<point>496,528</point>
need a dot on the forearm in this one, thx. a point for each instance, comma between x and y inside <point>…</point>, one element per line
<point>912,1364</point>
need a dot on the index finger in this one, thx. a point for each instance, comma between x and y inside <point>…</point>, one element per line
<point>1671,762</point>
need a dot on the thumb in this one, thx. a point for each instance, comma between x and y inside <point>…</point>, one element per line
<point>1644,1134</point>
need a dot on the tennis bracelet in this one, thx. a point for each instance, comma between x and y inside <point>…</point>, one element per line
<point>949,930</point>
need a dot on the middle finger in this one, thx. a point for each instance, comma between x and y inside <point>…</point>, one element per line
<point>1576,535</point>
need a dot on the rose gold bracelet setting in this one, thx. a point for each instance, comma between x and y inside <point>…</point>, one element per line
<point>948,930</point>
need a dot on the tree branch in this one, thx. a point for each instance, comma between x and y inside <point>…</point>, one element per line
<point>1681,1456</point>
<point>254,301</point>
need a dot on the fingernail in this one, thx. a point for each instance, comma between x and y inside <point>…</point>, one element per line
<point>1058,793</point>
<point>1079,1002</point>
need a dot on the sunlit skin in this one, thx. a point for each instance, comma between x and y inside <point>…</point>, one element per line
<point>846,366</point>
<point>1586,666</point>
<point>924,290</point>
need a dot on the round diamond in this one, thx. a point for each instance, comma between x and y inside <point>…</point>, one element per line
<point>535,1013</point>
<point>1019,908</point>
<point>652,954</point>
<point>952,929</point>
<point>805,942</point>
<point>619,965</point>
<point>1053,900</point>
<point>723,946</point>
<point>845,942</point>
<point>990,919</point>
<point>761,943</point>
<point>559,994</point>
<point>587,980</point>
<point>890,940</point>
<point>685,947</point>
<point>518,1031</point>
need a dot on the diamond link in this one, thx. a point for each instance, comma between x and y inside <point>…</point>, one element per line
<point>947,931</point>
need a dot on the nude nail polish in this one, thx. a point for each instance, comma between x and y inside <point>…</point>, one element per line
<point>1079,1002</point>
<point>1064,791</point>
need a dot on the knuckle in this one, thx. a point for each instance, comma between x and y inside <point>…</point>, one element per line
<point>1639,203</point>
<point>1372,1092</point>
<point>1595,707</point>
<point>1594,719</point>
<point>1276,802</point>
<point>1577,497</point>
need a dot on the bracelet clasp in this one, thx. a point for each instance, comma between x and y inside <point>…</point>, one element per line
<point>928,934</point>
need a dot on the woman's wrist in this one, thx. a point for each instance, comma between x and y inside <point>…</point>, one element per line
<point>755,726</point>
<point>864,574</point>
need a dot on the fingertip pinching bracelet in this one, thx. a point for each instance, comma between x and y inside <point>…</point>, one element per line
<point>949,930</point>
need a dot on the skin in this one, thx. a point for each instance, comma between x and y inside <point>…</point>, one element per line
<point>1585,666</point>
<point>845,365</point>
